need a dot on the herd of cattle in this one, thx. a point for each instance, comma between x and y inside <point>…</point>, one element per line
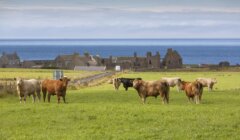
<point>145,89</point>
<point>161,87</point>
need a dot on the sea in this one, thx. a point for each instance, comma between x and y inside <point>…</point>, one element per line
<point>193,51</point>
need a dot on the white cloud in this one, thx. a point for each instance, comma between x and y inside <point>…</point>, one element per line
<point>97,21</point>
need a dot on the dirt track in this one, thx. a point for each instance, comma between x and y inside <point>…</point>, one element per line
<point>94,77</point>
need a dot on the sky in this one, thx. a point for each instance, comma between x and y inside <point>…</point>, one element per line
<point>119,19</point>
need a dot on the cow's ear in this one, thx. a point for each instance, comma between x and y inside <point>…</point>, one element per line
<point>60,79</point>
<point>69,79</point>
<point>14,78</point>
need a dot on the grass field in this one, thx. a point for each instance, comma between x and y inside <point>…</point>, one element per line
<point>102,113</point>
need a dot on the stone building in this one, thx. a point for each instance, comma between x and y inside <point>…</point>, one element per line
<point>70,61</point>
<point>10,60</point>
<point>172,59</point>
<point>133,62</point>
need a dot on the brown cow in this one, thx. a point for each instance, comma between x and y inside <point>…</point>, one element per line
<point>153,88</point>
<point>55,87</point>
<point>193,90</point>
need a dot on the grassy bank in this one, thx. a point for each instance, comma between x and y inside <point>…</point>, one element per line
<point>40,73</point>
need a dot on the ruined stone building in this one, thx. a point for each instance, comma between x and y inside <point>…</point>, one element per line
<point>172,59</point>
<point>10,60</point>
<point>133,62</point>
<point>70,61</point>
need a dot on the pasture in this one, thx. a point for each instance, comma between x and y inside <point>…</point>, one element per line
<point>100,112</point>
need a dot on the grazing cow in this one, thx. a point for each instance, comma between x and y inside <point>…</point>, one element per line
<point>207,82</point>
<point>153,88</point>
<point>55,87</point>
<point>173,81</point>
<point>193,90</point>
<point>128,82</point>
<point>27,88</point>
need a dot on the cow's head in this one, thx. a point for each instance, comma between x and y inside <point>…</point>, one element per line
<point>214,80</point>
<point>182,85</point>
<point>137,83</point>
<point>65,80</point>
<point>19,82</point>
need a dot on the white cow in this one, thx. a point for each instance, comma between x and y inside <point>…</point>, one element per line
<point>173,81</point>
<point>28,87</point>
<point>207,82</point>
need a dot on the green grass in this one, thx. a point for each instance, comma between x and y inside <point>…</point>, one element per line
<point>102,113</point>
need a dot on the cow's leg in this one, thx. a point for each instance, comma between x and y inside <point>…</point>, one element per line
<point>24,98</point>
<point>192,98</point>
<point>49,96</point>
<point>200,97</point>
<point>39,95</point>
<point>196,99</point>
<point>44,94</point>
<point>126,88</point>
<point>167,98</point>
<point>209,88</point>
<point>34,97</point>
<point>64,99</point>
<point>143,100</point>
<point>58,98</point>
<point>163,99</point>
<point>20,99</point>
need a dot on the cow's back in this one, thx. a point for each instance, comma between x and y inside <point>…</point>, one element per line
<point>35,83</point>
<point>29,86</point>
<point>49,85</point>
<point>204,81</point>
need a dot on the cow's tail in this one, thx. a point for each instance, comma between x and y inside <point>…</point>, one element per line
<point>165,91</point>
<point>199,87</point>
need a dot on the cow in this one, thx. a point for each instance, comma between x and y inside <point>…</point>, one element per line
<point>127,82</point>
<point>173,81</point>
<point>207,82</point>
<point>116,83</point>
<point>152,88</point>
<point>55,87</point>
<point>27,88</point>
<point>193,90</point>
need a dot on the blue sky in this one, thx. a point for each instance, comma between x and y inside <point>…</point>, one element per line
<point>119,18</point>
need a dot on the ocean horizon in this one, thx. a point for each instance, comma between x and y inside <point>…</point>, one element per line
<point>193,51</point>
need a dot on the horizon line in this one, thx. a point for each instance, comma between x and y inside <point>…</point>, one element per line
<point>1,39</point>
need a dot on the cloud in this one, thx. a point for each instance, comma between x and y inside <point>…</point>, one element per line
<point>91,20</point>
